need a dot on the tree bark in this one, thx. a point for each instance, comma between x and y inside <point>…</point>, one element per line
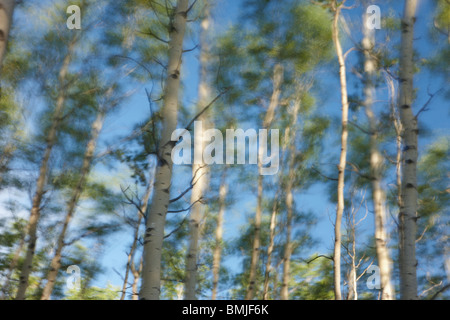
<point>268,119</point>
<point>376,166</point>
<point>130,261</point>
<point>154,233</point>
<point>408,208</point>
<point>199,169</point>
<point>41,181</point>
<point>136,276</point>
<point>343,156</point>
<point>55,264</point>
<point>289,203</point>
<point>223,190</point>
<point>273,224</point>
<point>6,14</point>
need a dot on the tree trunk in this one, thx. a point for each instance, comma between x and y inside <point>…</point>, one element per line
<point>200,171</point>
<point>154,233</point>
<point>130,261</point>
<point>6,14</point>
<point>343,156</point>
<point>55,264</point>
<point>40,184</point>
<point>289,202</point>
<point>223,190</point>
<point>376,166</point>
<point>273,224</point>
<point>268,119</point>
<point>136,277</point>
<point>408,208</point>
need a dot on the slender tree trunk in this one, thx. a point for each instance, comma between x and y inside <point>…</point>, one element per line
<point>268,119</point>
<point>136,276</point>
<point>343,156</point>
<point>408,208</point>
<point>130,261</point>
<point>199,169</point>
<point>273,224</point>
<point>351,279</point>
<point>40,184</point>
<point>223,190</point>
<point>55,264</point>
<point>6,14</point>
<point>376,167</point>
<point>289,202</point>
<point>154,232</point>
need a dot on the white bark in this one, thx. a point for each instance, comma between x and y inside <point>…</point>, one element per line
<point>223,190</point>
<point>376,167</point>
<point>343,156</point>
<point>408,209</point>
<point>41,181</point>
<point>55,264</point>
<point>289,201</point>
<point>130,261</point>
<point>268,119</point>
<point>154,233</point>
<point>6,14</point>
<point>199,170</point>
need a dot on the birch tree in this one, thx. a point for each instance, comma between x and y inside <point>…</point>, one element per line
<point>337,9</point>
<point>268,119</point>
<point>408,208</point>
<point>43,171</point>
<point>73,202</point>
<point>376,164</point>
<point>199,169</point>
<point>154,232</point>
<point>217,253</point>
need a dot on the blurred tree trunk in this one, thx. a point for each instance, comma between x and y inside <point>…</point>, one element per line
<point>41,181</point>
<point>376,165</point>
<point>408,206</point>
<point>343,157</point>
<point>200,171</point>
<point>136,276</point>
<point>223,190</point>
<point>268,119</point>
<point>130,261</point>
<point>55,264</point>
<point>154,233</point>
<point>6,14</point>
<point>289,201</point>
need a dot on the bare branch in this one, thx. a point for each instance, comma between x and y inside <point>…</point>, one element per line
<point>425,106</point>
<point>440,291</point>
<point>320,256</point>
<point>186,209</point>
<point>149,33</point>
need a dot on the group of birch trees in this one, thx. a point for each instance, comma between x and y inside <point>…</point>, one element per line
<point>87,118</point>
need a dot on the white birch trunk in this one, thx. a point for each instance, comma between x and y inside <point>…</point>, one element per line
<point>408,208</point>
<point>55,264</point>
<point>223,190</point>
<point>376,167</point>
<point>342,159</point>
<point>268,119</point>
<point>130,262</point>
<point>289,202</point>
<point>41,181</point>
<point>154,233</point>
<point>199,170</point>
